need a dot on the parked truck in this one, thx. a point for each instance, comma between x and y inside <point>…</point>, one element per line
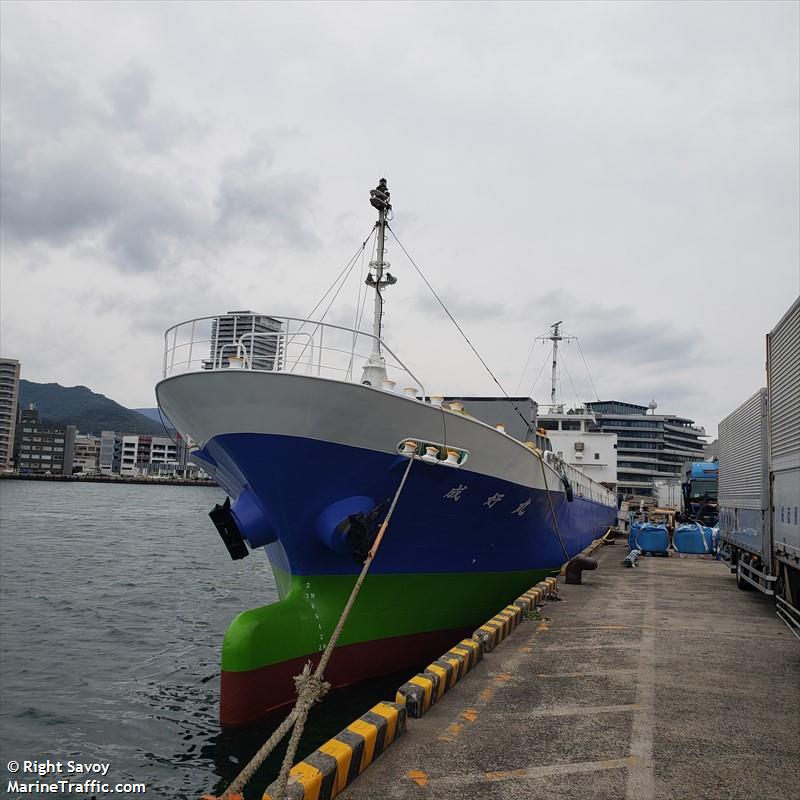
<point>759,478</point>
<point>699,492</point>
<point>667,492</point>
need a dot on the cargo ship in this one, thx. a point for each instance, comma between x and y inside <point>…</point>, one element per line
<point>308,427</point>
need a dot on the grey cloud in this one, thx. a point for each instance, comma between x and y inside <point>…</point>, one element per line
<point>632,354</point>
<point>63,180</point>
<point>253,197</point>
<point>185,294</point>
<point>41,97</point>
<point>132,109</point>
<point>276,204</point>
<point>462,306</point>
<point>155,223</point>
<point>130,94</point>
<point>641,341</point>
<point>51,193</point>
<point>58,193</point>
<point>637,336</point>
<point>66,181</point>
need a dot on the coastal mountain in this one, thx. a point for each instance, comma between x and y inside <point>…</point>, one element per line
<point>86,410</point>
<point>150,413</point>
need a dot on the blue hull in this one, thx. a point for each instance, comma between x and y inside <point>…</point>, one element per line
<point>291,492</point>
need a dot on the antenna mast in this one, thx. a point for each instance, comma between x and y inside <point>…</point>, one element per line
<point>555,337</point>
<point>379,278</point>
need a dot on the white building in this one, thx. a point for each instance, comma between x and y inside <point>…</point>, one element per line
<point>651,446</point>
<point>108,440</point>
<point>86,454</point>
<point>262,340</point>
<point>9,394</point>
<point>593,453</point>
<point>142,455</point>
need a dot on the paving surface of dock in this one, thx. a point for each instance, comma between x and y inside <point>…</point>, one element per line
<point>662,681</point>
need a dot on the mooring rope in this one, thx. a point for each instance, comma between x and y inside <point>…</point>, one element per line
<point>461,330</point>
<point>552,509</point>
<point>310,686</point>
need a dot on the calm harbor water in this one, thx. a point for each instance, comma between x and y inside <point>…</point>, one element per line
<point>114,600</point>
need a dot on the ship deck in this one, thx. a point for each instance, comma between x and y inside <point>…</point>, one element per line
<point>662,681</point>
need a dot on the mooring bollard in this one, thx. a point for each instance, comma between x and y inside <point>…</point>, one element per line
<point>576,566</point>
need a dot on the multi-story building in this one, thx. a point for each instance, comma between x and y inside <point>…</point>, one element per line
<point>43,449</point>
<point>9,394</point>
<point>143,455</point>
<point>86,454</point>
<point>106,462</point>
<point>261,340</point>
<point>649,446</point>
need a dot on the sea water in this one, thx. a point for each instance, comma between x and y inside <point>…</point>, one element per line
<point>114,599</point>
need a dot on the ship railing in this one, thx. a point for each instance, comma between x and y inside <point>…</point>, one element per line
<point>270,343</point>
<point>584,486</point>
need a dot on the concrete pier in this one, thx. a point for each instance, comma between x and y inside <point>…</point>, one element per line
<point>659,682</point>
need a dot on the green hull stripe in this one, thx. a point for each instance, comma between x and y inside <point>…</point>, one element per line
<point>388,605</point>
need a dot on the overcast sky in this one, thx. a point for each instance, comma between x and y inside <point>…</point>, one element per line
<point>629,168</point>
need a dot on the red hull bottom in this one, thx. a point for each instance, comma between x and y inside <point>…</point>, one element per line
<point>246,697</point>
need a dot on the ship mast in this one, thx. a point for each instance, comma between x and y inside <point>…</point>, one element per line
<point>378,278</point>
<point>555,337</point>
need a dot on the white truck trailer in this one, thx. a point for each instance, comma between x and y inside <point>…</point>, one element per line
<point>759,478</point>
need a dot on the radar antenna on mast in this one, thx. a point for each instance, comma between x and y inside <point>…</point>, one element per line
<point>378,278</point>
<point>555,336</point>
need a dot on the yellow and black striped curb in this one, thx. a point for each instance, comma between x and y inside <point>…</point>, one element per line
<point>338,762</point>
<point>420,692</point>
<point>491,633</point>
<point>530,599</point>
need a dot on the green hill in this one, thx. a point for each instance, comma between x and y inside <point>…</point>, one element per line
<point>86,410</point>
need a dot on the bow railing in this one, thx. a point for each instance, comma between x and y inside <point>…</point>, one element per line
<point>271,343</point>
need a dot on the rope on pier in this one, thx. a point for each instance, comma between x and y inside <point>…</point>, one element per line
<point>310,685</point>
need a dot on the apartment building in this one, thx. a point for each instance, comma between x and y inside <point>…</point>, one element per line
<point>42,449</point>
<point>145,455</point>
<point>650,447</point>
<point>261,340</point>
<point>9,395</point>
<point>86,454</point>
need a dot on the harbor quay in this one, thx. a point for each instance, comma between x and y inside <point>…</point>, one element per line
<point>664,681</point>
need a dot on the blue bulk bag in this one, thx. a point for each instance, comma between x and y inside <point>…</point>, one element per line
<point>693,538</point>
<point>650,538</point>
